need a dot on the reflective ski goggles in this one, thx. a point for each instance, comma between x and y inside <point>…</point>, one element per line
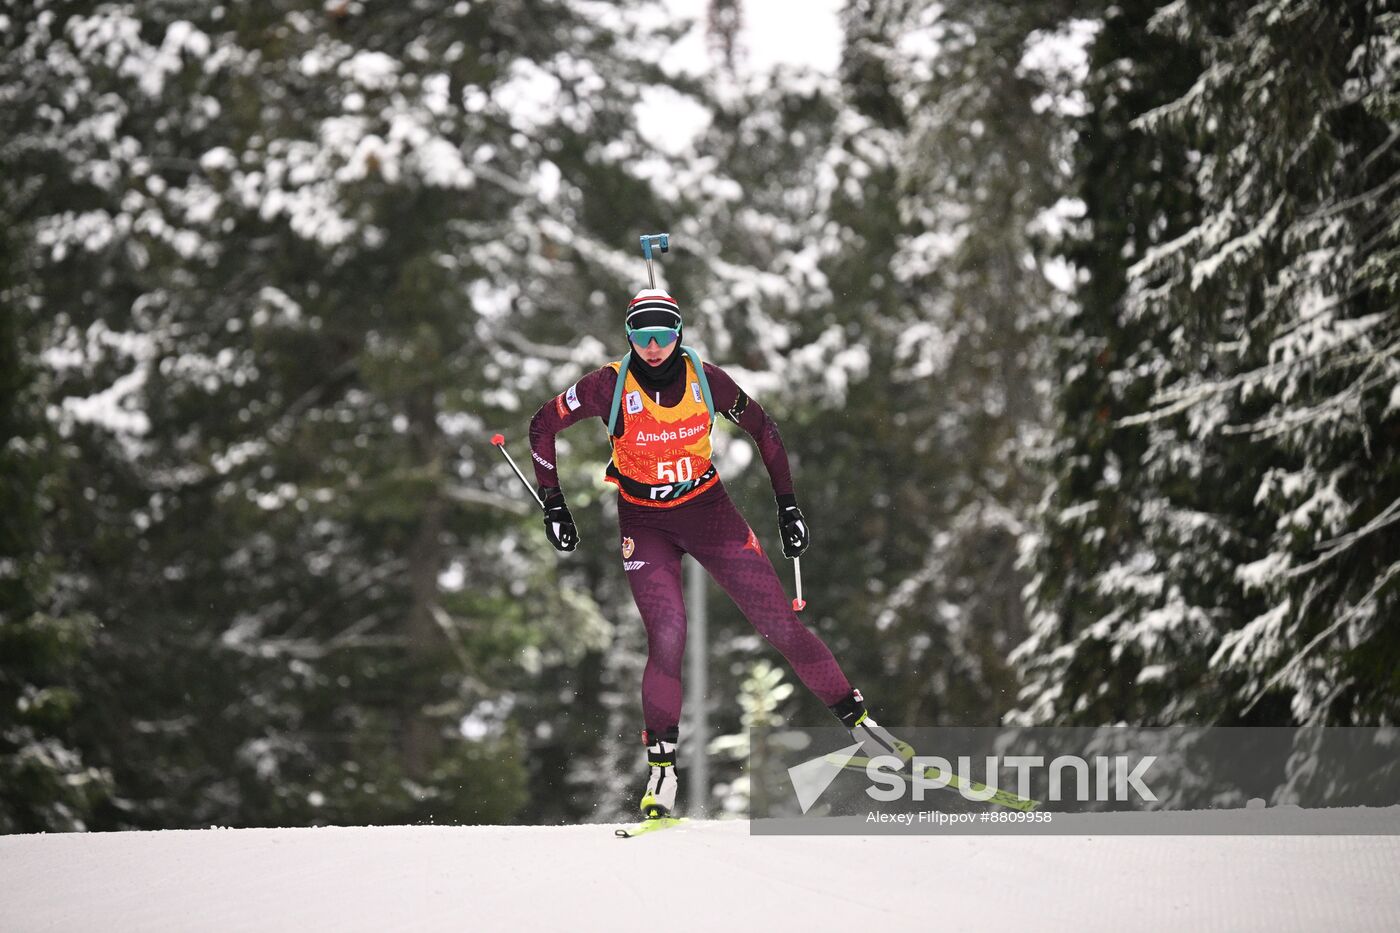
<point>661,336</point>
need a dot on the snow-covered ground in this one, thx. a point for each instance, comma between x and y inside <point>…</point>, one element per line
<point>701,876</point>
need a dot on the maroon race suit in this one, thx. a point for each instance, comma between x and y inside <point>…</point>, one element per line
<point>710,529</point>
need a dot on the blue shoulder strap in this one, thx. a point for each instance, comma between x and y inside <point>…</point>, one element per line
<point>617,394</point>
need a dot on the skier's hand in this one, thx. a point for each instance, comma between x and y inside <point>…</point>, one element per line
<point>559,525</point>
<point>792,527</point>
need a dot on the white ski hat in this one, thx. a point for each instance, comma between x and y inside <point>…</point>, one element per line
<point>652,307</point>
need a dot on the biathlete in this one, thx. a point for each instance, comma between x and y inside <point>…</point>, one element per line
<point>658,402</point>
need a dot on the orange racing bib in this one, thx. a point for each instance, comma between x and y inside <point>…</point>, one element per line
<point>662,457</point>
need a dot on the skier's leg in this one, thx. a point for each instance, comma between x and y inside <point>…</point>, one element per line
<point>652,562</point>
<point>719,538</point>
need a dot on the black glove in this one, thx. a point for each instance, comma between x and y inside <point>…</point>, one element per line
<point>559,525</point>
<point>792,527</point>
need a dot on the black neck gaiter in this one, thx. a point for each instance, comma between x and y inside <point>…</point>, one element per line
<point>657,378</point>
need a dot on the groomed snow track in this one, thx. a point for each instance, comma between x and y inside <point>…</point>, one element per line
<point>700,876</point>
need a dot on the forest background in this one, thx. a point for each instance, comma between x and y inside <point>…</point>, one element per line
<point>1079,321</point>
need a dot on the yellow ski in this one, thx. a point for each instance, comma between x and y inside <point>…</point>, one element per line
<point>651,825</point>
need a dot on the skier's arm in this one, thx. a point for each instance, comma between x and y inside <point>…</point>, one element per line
<point>734,403</point>
<point>590,397</point>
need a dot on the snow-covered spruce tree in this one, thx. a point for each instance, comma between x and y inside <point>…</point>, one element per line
<point>986,92</point>
<point>298,260</point>
<point>763,693</point>
<point>65,486</point>
<point>45,783</point>
<point>1246,544</point>
<point>1083,548</point>
<point>894,211</point>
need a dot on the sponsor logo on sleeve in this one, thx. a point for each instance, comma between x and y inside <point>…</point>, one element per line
<point>633,564</point>
<point>628,546</point>
<point>542,461</point>
<point>752,544</point>
<point>571,397</point>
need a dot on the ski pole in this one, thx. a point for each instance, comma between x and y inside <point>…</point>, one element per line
<point>799,603</point>
<point>662,242</point>
<point>499,440</point>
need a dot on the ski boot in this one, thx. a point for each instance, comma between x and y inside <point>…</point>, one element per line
<point>874,739</point>
<point>660,798</point>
